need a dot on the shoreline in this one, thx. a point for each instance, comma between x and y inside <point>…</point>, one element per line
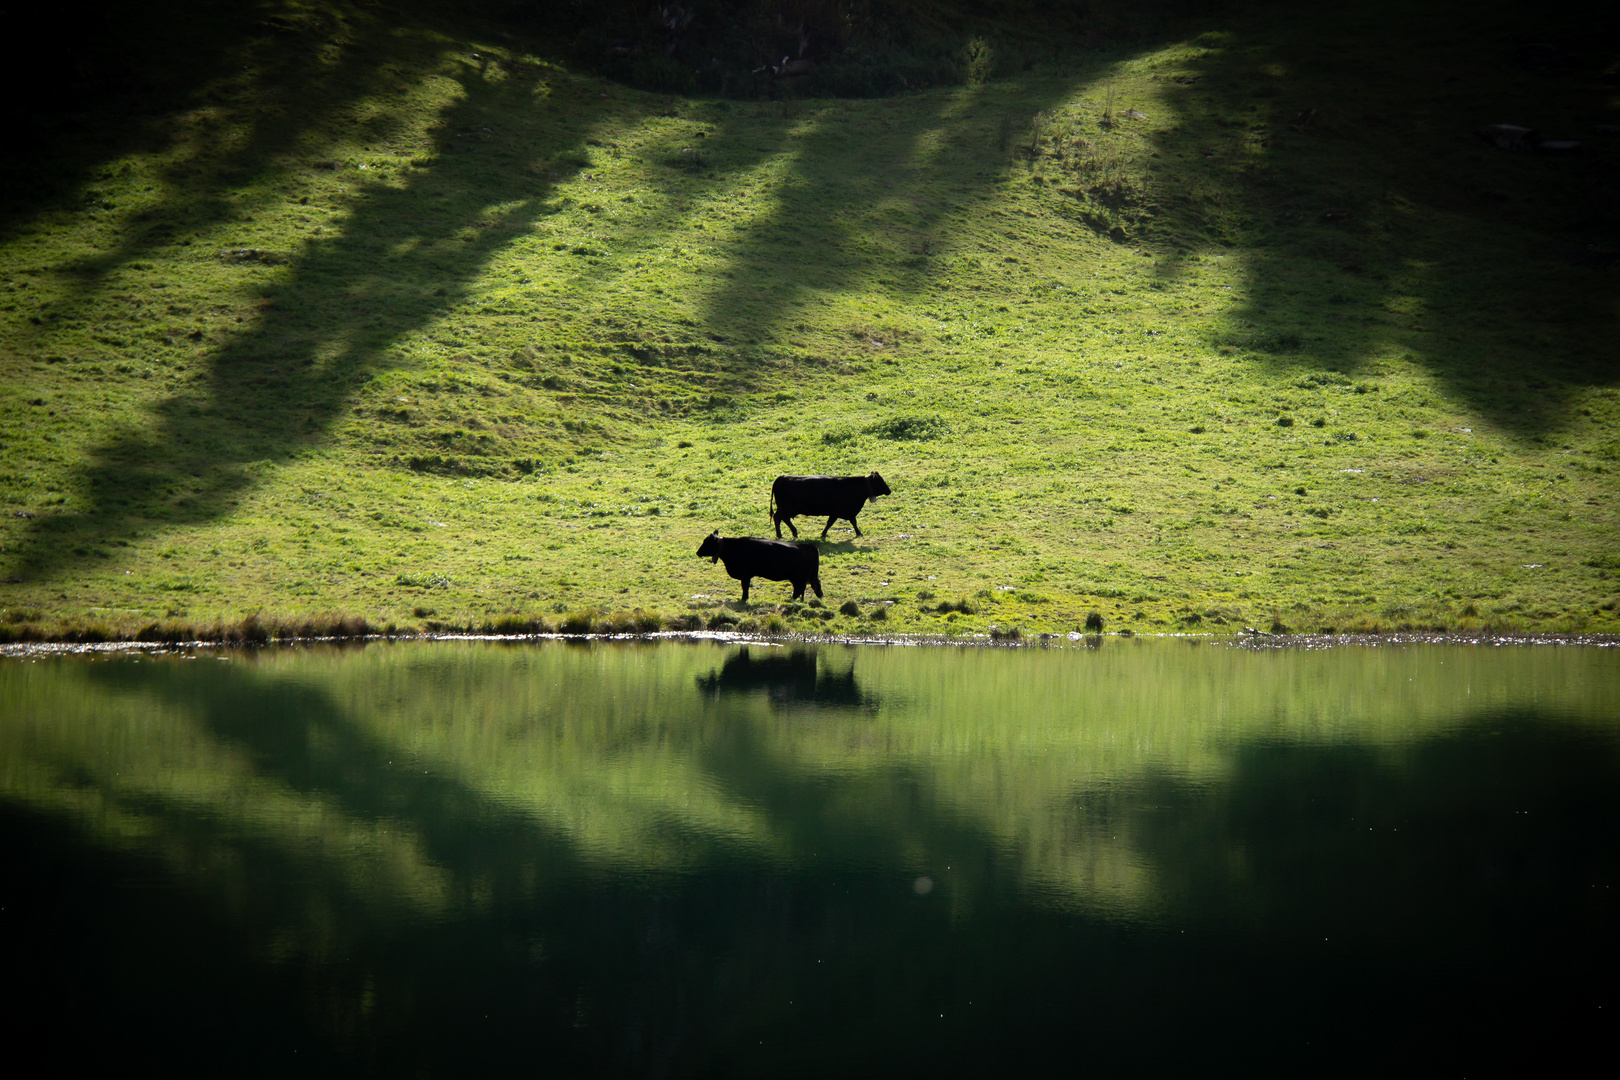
<point>1248,640</point>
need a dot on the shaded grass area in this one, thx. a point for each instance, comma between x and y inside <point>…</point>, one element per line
<point>1381,229</point>
<point>1231,328</point>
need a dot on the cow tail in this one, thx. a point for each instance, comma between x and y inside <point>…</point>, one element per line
<point>770,505</point>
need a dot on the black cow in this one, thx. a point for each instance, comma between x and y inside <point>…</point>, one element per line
<point>837,496</point>
<point>747,558</point>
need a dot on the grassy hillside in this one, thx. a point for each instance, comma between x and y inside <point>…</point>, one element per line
<point>355,314</point>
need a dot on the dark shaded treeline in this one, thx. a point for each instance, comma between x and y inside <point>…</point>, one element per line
<point>1323,909</point>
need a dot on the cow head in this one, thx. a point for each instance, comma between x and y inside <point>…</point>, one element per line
<point>875,486</point>
<point>710,546</point>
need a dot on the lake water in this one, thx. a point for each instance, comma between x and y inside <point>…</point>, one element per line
<point>706,859</point>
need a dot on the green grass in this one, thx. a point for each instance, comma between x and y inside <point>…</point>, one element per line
<point>383,319</point>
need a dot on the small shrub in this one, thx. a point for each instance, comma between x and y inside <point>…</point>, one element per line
<point>577,622</point>
<point>721,620</point>
<point>688,160</point>
<point>910,428</point>
<point>880,613</point>
<point>619,622</point>
<point>1094,622</point>
<point>1285,421</point>
<point>687,623</point>
<point>850,607</point>
<point>349,626</point>
<point>837,436</point>
<point>1278,626</point>
<point>517,624</point>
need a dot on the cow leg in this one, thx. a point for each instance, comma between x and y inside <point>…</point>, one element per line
<point>791,529</point>
<point>779,527</point>
<point>829,526</point>
<point>745,582</point>
<point>798,589</point>
<point>854,526</point>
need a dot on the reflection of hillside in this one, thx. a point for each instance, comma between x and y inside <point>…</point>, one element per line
<point>349,851</point>
<point>787,677</point>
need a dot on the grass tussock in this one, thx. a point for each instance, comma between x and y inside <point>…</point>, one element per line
<point>576,623</point>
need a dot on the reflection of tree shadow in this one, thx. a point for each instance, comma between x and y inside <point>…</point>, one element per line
<point>788,677</point>
<point>1322,904</point>
<point>1438,841</point>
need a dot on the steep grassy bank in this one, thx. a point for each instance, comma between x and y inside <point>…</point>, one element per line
<point>1241,326</point>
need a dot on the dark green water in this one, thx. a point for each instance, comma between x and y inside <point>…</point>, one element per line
<point>699,860</point>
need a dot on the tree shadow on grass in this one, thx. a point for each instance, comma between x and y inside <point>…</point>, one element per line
<point>1320,905</point>
<point>1341,156</point>
<point>406,254</point>
<point>867,201</point>
<point>188,78</point>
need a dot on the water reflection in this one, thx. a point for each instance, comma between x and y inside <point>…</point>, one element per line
<point>793,676</point>
<point>643,860</point>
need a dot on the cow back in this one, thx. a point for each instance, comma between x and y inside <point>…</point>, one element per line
<point>819,494</point>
